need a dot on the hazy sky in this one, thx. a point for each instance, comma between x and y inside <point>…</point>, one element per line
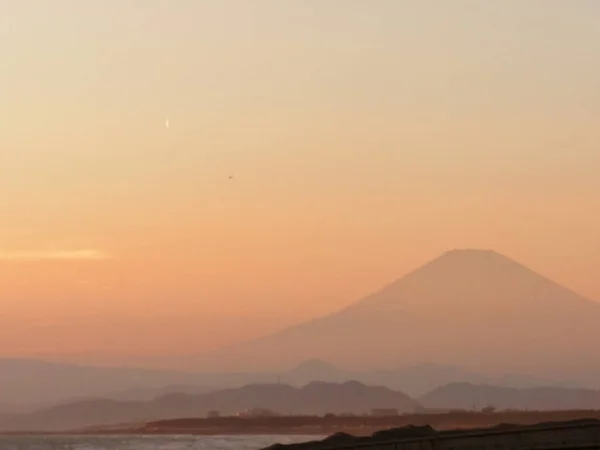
<point>364,138</point>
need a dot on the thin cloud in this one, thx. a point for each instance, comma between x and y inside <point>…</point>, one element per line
<point>54,255</point>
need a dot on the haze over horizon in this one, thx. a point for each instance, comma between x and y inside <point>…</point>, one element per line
<point>183,176</point>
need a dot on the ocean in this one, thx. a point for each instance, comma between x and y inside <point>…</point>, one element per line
<point>145,442</point>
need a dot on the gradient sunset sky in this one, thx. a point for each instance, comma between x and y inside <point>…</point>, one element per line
<point>363,138</point>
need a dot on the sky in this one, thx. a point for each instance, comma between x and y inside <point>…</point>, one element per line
<point>315,150</point>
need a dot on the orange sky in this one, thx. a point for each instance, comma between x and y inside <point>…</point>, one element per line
<point>363,139</point>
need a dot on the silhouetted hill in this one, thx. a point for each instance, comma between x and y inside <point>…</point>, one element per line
<point>314,398</point>
<point>414,380</point>
<point>466,308</point>
<point>470,396</point>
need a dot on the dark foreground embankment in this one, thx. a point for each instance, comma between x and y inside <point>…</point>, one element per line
<point>572,435</point>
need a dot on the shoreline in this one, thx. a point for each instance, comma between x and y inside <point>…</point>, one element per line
<point>315,425</point>
<point>166,433</point>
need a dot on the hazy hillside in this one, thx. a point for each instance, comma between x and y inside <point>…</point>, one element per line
<point>27,383</point>
<point>470,396</point>
<point>32,385</point>
<point>467,308</point>
<point>314,398</point>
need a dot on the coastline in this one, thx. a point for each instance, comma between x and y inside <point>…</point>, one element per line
<point>315,426</point>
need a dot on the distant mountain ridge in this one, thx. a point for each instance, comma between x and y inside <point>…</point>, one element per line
<point>314,398</point>
<point>470,396</point>
<point>32,385</point>
<point>414,380</point>
<point>317,398</point>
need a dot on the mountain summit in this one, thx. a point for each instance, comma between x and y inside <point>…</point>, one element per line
<point>466,307</point>
<point>473,279</point>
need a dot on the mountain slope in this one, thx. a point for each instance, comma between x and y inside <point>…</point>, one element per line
<point>467,308</point>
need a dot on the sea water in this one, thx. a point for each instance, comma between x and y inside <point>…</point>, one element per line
<point>145,442</point>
